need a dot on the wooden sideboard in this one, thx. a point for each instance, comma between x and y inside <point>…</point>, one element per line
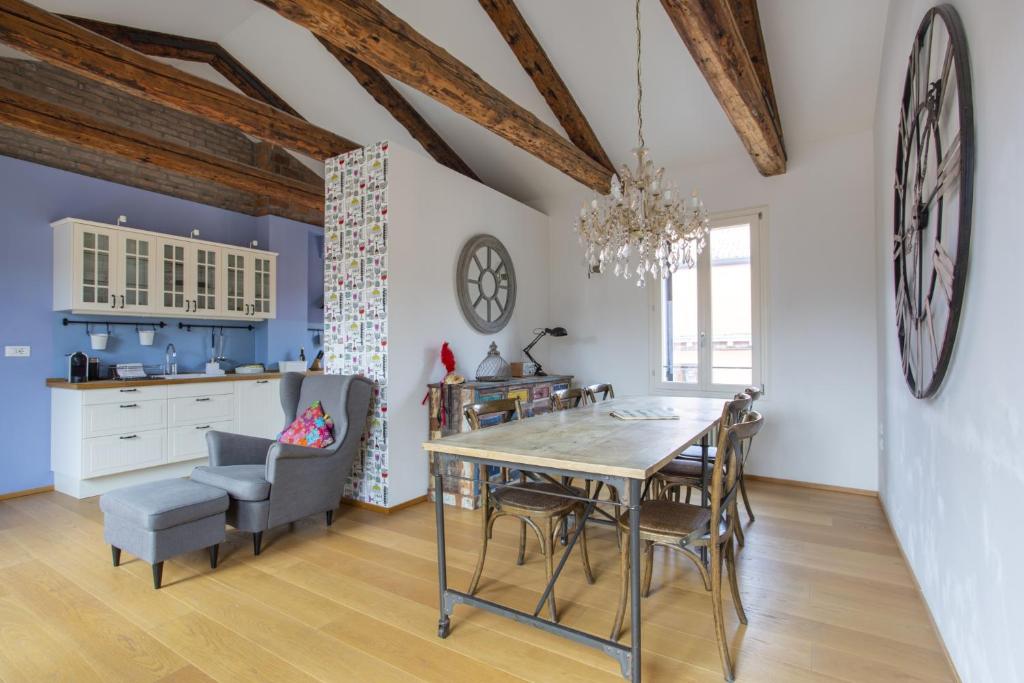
<point>446,403</point>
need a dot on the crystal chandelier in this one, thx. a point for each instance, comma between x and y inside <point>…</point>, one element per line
<point>644,225</point>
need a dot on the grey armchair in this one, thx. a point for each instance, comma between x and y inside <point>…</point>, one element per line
<point>271,483</point>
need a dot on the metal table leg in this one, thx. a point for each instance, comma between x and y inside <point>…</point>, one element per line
<point>628,657</point>
<point>443,622</point>
<point>634,578</point>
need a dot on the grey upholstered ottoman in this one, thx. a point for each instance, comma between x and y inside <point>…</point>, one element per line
<point>162,519</point>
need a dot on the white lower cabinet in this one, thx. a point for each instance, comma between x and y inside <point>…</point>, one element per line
<point>118,418</point>
<point>107,454</point>
<point>258,407</point>
<point>192,409</point>
<point>102,439</point>
<point>188,442</point>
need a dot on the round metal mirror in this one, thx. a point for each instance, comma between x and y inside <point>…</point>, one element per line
<point>485,282</point>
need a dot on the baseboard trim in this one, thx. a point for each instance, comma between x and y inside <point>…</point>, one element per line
<point>917,585</point>
<point>380,508</point>
<point>812,485</point>
<point>26,492</point>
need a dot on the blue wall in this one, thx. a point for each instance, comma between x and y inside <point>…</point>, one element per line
<point>33,196</point>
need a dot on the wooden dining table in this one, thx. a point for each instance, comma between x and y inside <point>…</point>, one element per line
<point>579,443</point>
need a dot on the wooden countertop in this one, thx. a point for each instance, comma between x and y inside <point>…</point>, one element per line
<point>589,440</point>
<point>59,383</point>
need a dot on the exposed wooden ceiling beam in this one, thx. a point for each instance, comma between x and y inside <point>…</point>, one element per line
<point>366,30</point>
<point>724,37</point>
<point>66,125</point>
<point>528,50</point>
<point>401,110</point>
<point>749,22</point>
<point>156,44</point>
<point>69,46</point>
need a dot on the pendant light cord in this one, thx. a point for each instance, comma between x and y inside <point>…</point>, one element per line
<point>639,83</point>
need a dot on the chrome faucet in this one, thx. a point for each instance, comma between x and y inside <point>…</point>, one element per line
<point>171,360</point>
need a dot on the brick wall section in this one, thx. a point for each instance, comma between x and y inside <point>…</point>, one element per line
<point>66,89</point>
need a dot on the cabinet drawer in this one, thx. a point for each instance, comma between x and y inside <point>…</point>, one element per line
<point>125,395</point>
<point>128,415</point>
<point>192,410</point>
<point>189,441</point>
<point>123,452</point>
<point>199,389</point>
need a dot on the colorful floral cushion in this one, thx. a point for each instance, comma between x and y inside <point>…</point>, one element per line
<point>313,428</point>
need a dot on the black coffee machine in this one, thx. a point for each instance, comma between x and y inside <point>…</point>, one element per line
<point>78,367</point>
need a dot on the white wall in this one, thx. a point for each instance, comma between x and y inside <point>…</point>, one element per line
<point>433,211</point>
<point>952,474</point>
<point>822,398</point>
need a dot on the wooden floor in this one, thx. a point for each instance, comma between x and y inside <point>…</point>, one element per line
<point>828,596</point>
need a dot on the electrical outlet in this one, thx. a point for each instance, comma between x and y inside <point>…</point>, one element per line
<point>17,351</point>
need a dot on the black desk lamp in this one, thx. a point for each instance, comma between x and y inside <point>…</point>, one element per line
<point>554,332</point>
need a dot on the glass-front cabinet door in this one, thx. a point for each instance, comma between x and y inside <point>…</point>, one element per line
<point>137,260</point>
<point>263,287</point>
<point>95,268</point>
<point>237,266</point>
<point>173,265</point>
<point>206,265</point>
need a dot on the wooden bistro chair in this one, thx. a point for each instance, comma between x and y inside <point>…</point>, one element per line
<point>605,390</point>
<point>529,502</point>
<point>564,399</point>
<point>694,454</point>
<point>684,472</point>
<point>689,528</point>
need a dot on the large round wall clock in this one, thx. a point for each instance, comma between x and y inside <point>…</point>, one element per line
<point>485,282</point>
<point>933,195</point>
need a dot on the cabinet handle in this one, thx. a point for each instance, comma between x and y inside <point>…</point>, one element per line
<point>113,300</point>
<point>122,301</point>
<point>130,436</point>
<point>195,306</point>
<point>262,381</point>
<point>186,305</point>
<point>200,400</point>
<point>203,427</point>
<point>129,405</point>
<point>127,391</point>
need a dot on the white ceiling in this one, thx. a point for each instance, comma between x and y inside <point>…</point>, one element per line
<point>824,56</point>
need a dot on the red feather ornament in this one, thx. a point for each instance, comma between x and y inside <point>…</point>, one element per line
<point>447,358</point>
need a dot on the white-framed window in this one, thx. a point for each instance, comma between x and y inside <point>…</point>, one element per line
<point>709,322</point>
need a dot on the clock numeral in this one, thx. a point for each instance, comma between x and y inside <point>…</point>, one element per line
<point>948,170</point>
<point>931,329</point>
<point>943,265</point>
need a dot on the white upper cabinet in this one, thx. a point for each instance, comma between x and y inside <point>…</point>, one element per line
<point>237,283</point>
<point>174,297</point>
<point>264,290</point>
<point>207,297</point>
<point>102,268</point>
<point>136,272</point>
<point>250,284</point>
<point>91,259</point>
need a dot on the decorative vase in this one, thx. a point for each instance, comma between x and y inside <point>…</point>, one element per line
<point>493,368</point>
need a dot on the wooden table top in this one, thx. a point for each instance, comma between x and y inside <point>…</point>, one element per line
<point>589,440</point>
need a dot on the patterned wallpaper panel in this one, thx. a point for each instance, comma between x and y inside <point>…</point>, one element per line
<point>356,297</point>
